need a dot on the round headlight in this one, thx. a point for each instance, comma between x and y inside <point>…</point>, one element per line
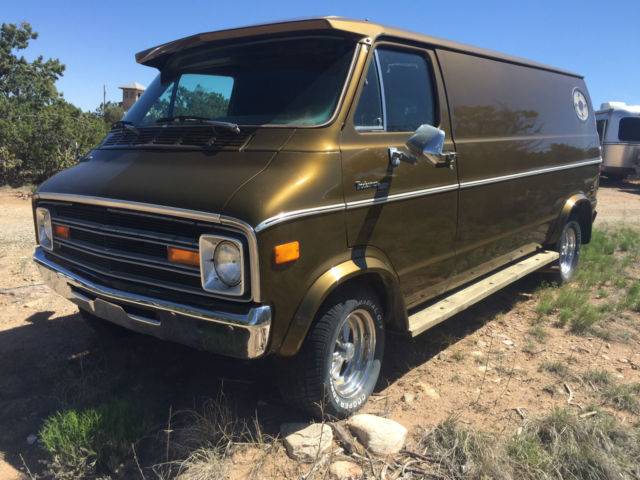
<point>226,260</point>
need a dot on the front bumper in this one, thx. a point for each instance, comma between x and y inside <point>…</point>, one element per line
<point>237,335</point>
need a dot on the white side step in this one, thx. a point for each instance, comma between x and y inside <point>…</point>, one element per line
<point>462,299</point>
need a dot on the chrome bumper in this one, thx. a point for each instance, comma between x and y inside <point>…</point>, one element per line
<point>236,335</point>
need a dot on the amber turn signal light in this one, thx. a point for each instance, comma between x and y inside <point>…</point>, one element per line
<point>183,256</point>
<point>286,252</point>
<point>61,231</point>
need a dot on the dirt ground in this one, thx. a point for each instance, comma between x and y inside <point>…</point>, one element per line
<point>472,367</point>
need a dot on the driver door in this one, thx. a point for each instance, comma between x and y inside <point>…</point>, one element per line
<point>408,211</point>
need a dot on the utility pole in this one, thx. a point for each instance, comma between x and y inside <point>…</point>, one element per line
<point>104,98</point>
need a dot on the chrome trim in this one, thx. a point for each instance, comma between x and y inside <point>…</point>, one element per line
<point>383,96</point>
<point>139,206</point>
<point>286,216</point>
<point>529,173</point>
<point>128,258</point>
<point>402,196</point>
<point>236,290</point>
<point>245,228</point>
<point>135,279</point>
<point>126,233</point>
<point>256,322</point>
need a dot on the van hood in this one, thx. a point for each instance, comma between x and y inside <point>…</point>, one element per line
<point>195,180</point>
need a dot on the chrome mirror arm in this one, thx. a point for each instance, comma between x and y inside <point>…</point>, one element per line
<point>397,155</point>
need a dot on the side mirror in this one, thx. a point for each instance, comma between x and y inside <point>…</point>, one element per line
<point>427,142</point>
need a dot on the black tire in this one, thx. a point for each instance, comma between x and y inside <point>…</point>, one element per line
<point>103,328</point>
<point>306,380</point>
<point>567,264</point>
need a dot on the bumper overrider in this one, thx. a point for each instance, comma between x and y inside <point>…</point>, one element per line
<point>237,335</point>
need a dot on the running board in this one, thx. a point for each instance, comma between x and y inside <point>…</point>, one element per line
<point>462,299</point>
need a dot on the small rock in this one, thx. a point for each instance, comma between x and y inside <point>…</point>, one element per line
<point>477,354</point>
<point>380,436</point>
<point>408,397</point>
<point>508,343</point>
<point>306,443</point>
<point>31,439</point>
<point>344,470</point>
<point>484,368</point>
<point>428,390</point>
<point>481,343</point>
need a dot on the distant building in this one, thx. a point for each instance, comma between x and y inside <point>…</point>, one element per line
<point>130,93</point>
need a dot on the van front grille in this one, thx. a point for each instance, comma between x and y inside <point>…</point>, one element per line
<point>129,247</point>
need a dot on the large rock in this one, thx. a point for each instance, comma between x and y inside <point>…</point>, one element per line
<point>380,436</point>
<point>344,470</point>
<point>306,443</point>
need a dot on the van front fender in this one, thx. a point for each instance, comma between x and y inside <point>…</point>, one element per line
<point>328,282</point>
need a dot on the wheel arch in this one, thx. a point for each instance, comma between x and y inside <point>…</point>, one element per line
<point>373,272</point>
<point>579,207</point>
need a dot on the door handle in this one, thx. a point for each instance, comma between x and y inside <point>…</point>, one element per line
<point>449,159</point>
<point>438,160</point>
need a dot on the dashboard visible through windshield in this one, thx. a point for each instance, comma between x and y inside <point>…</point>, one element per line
<point>294,81</point>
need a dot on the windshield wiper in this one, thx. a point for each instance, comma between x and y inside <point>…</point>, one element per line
<point>203,120</point>
<point>126,125</point>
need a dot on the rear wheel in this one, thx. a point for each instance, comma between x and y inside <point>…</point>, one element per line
<point>568,247</point>
<point>338,365</point>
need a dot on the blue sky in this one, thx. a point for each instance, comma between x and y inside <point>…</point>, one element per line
<point>97,40</point>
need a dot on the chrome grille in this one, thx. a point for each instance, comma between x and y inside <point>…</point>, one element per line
<point>122,245</point>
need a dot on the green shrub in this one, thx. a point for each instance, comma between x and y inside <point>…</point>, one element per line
<point>96,439</point>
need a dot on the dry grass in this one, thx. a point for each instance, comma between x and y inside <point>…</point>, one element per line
<point>558,446</point>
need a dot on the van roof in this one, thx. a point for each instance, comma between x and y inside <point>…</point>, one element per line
<point>619,107</point>
<point>157,56</point>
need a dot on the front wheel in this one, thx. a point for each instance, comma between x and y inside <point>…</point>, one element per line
<point>568,247</point>
<point>338,365</point>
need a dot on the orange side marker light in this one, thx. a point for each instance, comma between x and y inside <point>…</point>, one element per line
<point>286,252</point>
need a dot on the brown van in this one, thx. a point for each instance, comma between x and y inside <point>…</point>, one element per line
<point>300,189</point>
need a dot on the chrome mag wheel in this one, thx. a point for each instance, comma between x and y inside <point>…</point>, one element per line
<point>353,353</point>
<point>568,251</point>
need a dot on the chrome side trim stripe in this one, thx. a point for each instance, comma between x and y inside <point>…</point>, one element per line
<point>402,196</point>
<point>286,216</point>
<point>529,173</point>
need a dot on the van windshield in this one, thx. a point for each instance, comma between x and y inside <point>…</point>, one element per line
<point>283,82</point>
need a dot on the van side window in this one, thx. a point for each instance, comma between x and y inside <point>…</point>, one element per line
<point>408,90</point>
<point>368,115</point>
<point>629,130</point>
